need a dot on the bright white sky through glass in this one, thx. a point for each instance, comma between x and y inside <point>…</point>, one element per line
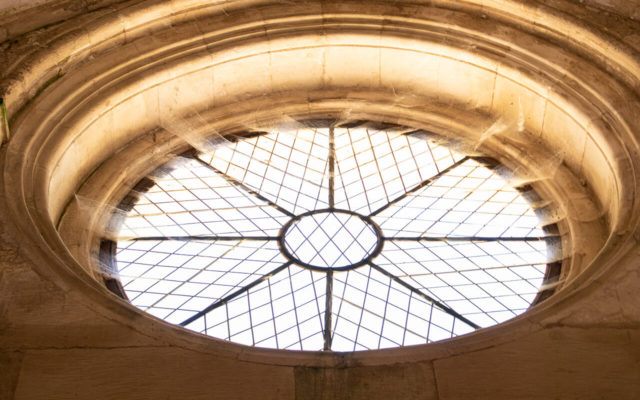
<point>339,239</point>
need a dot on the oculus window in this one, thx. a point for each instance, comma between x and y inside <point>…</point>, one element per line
<point>323,237</point>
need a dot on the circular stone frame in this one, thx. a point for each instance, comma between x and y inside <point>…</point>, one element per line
<point>68,149</point>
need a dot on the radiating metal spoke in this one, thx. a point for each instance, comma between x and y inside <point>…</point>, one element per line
<point>419,186</point>
<point>238,292</point>
<point>203,238</point>
<point>471,238</point>
<point>332,167</point>
<point>443,307</point>
<point>237,183</point>
<point>328,312</point>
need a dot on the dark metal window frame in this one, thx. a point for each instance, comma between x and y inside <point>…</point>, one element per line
<point>108,247</point>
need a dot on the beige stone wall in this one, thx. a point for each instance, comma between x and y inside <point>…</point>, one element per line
<point>101,97</point>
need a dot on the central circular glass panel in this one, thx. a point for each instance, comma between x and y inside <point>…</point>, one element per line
<point>336,240</point>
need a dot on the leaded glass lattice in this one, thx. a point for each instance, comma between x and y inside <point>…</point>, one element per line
<point>332,238</point>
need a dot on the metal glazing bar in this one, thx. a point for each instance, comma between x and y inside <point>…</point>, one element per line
<point>471,238</point>
<point>4,122</point>
<point>419,186</point>
<point>295,307</point>
<point>244,187</point>
<point>328,312</point>
<point>208,238</point>
<point>238,292</point>
<point>441,306</point>
<point>332,166</point>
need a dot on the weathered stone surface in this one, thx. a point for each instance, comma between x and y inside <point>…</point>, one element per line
<point>398,381</point>
<point>145,373</point>
<point>558,363</point>
<point>549,85</point>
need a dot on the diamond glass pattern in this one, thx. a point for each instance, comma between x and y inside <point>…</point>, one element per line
<point>373,167</point>
<point>285,311</point>
<point>174,280</point>
<point>468,200</point>
<point>486,281</point>
<point>330,239</point>
<point>288,168</point>
<point>333,238</point>
<point>194,200</point>
<point>373,311</point>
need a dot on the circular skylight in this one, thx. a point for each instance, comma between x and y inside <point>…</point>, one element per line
<point>332,238</point>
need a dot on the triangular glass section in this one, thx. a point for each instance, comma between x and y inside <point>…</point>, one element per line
<point>374,167</point>
<point>288,168</point>
<point>371,311</point>
<point>470,200</point>
<point>194,200</point>
<point>485,281</point>
<point>174,280</point>
<point>285,311</point>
